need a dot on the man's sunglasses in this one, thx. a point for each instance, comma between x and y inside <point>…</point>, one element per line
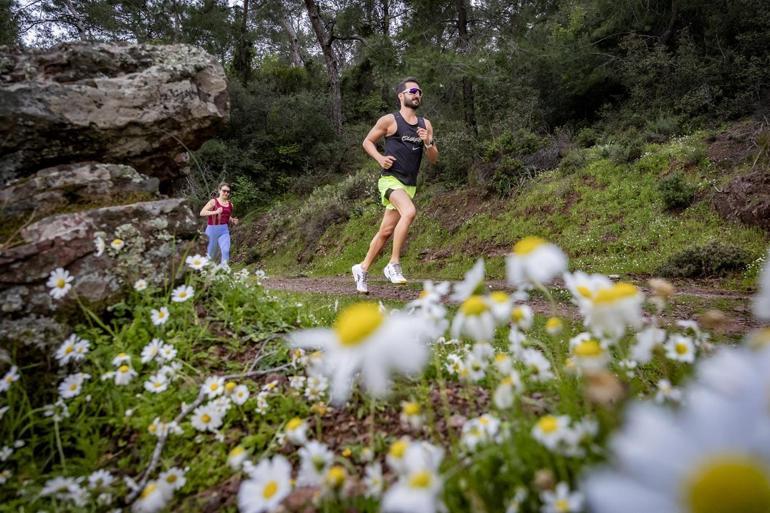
<point>413,90</point>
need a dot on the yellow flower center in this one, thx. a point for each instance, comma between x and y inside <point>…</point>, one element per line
<point>553,323</point>
<point>357,322</point>
<point>270,489</point>
<point>398,449</point>
<point>205,418</point>
<point>474,305</point>
<point>421,479</point>
<point>149,490</point>
<point>548,424</point>
<point>681,348</point>
<point>214,386</point>
<point>60,283</point>
<point>336,476</point>
<point>123,369</point>
<point>517,314</point>
<point>588,349</point>
<point>617,292</point>
<point>411,408</point>
<point>501,357</point>
<point>237,451</point>
<point>561,505</point>
<point>73,387</point>
<point>584,291</point>
<point>729,484</point>
<point>423,294</point>
<point>230,386</point>
<point>68,349</point>
<point>182,294</point>
<point>498,297</point>
<point>484,421</point>
<point>293,424</point>
<point>171,478</point>
<point>346,452</point>
<point>507,380</point>
<point>527,245</point>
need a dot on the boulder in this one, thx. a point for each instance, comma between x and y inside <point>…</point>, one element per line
<point>746,199</point>
<point>139,105</point>
<point>72,186</point>
<point>154,234</point>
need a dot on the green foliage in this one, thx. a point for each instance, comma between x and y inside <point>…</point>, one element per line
<point>661,129</point>
<point>507,175</point>
<point>572,161</point>
<point>458,148</point>
<point>511,144</point>
<point>587,137</point>
<point>705,261</point>
<point>675,192</point>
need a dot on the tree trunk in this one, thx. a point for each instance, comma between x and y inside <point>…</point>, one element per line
<point>243,51</point>
<point>385,18</point>
<point>295,55</point>
<point>469,107</point>
<point>332,65</point>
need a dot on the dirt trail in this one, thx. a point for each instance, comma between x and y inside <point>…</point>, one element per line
<point>691,299</point>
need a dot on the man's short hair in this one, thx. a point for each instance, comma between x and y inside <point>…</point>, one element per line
<point>402,85</point>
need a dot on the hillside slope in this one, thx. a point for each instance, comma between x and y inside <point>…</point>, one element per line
<point>642,217</point>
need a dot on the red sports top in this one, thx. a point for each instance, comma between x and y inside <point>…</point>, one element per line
<point>224,217</point>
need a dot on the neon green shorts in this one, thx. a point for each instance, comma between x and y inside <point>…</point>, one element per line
<point>391,182</point>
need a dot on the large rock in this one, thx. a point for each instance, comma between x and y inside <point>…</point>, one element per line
<point>746,199</point>
<point>154,233</point>
<point>69,186</point>
<point>127,104</point>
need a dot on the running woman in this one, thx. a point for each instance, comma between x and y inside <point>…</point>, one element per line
<point>219,211</point>
<point>407,137</point>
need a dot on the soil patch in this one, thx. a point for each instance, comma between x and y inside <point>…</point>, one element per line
<point>452,209</point>
<point>746,199</point>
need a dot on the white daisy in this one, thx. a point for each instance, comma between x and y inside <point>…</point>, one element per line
<point>60,282</point>
<point>418,487</point>
<point>554,326</point>
<point>411,414</point>
<point>522,316</point>
<point>100,245</point>
<point>562,500</point>
<point>160,428</point>
<point>551,430</point>
<point>214,386</point>
<point>474,319</point>
<point>120,359</point>
<point>479,431</point>
<point>100,479</point>
<point>367,342</point>
<point>196,262</point>
<point>72,385</point>
<point>269,484</point>
<point>587,353</point>
<point>296,431</point>
<point>613,308</point>
<point>236,457</point>
<point>680,348</point>
<point>646,341</point>
<point>117,244</point>
<point>315,461</point>
<point>584,287</point>
<point>156,384</point>
<point>316,387</point>
<point>182,293</point>
<point>667,392</point>
<point>173,478</point>
<point>167,352</point>
<point>206,418</point>
<point>159,316</point>
<point>504,393</point>
<point>151,350</point>
<point>240,395</point>
<point>9,378</point>
<point>140,285</point>
<point>66,489</point>
<point>124,374</point>
<point>68,351</point>
<point>537,364</point>
<point>373,480</point>
<point>472,284</point>
<point>154,497</point>
<point>534,261</point>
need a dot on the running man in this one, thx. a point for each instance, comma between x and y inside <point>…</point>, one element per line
<point>407,137</point>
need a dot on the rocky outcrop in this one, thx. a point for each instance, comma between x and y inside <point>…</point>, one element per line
<point>88,134</point>
<point>139,105</point>
<point>746,199</point>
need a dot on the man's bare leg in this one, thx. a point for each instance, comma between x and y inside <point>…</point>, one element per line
<point>388,225</point>
<point>406,211</point>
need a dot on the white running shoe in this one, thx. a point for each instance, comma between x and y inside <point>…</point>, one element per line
<point>359,276</point>
<point>393,273</point>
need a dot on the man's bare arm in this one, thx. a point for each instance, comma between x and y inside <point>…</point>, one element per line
<point>432,151</point>
<point>377,132</point>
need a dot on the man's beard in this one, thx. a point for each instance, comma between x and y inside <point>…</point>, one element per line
<point>413,104</point>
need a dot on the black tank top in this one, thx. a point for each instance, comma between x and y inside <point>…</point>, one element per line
<point>406,146</point>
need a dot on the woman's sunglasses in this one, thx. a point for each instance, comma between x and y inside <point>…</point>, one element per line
<point>226,190</point>
<point>413,90</point>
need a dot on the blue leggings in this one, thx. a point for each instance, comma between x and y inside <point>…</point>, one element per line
<point>219,235</point>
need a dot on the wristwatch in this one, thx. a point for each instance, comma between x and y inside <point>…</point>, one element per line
<point>429,145</point>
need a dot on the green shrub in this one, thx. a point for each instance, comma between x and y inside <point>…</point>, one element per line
<point>246,195</point>
<point>506,176</point>
<point>626,151</point>
<point>661,129</point>
<point>458,149</point>
<point>694,155</point>
<point>515,144</point>
<point>572,161</point>
<point>675,192</point>
<point>587,137</point>
<point>703,261</point>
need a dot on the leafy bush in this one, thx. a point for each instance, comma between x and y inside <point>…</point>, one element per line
<point>572,161</point>
<point>676,193</point>
<point>703,261</point>
<point>625,152</point>
<point>515,144</point>
<point>587,137</point>
<point>694,155</point>
<point>458,149</point>
<point>661,129</point>
<point>506,176</point>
